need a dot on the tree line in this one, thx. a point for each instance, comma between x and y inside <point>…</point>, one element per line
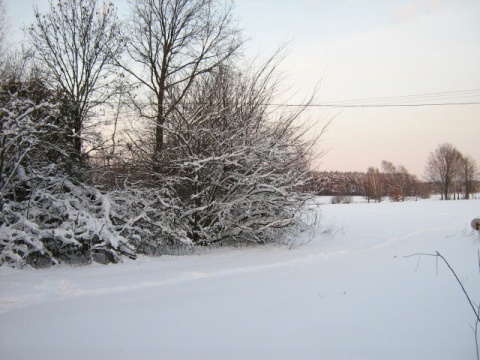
<point>150,134</point>
<point>394,182</point>
<point>448,172</point>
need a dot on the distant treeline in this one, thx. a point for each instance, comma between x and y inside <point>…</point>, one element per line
<point>372,184</point>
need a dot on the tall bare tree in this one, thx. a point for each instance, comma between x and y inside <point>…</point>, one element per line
<point>169,44</point>
<point>374,184</point>
<point>398,180</point>
<point>3,32</point>
<point>3,22</point>
<point>77,41</point>
<point>468,173</point>
<point>443,165</point>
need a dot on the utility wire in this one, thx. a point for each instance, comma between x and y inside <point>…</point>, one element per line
<point>417,97</point>
<point>331,105</point>
<point>416,100</point>
<point>445,98</point>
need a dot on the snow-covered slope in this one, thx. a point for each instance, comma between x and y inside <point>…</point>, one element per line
<point>352,292</point>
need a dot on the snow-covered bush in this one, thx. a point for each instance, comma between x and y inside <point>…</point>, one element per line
<point>45,218</point>
<point>231,165</point>
<point>244,195</point>
<point>63,222</point>
<point>149,219</point>
<point>26,129</point>
<point>341,199</point>
<point>48,215</point>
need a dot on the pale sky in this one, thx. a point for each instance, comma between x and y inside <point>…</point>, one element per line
<point>368,50</point>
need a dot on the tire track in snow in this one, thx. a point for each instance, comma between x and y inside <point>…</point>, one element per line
<point>62,289</point>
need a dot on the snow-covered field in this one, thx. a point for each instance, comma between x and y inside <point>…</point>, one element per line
<point>352,292</point>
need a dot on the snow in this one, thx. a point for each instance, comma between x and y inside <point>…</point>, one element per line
<point>352,292</point>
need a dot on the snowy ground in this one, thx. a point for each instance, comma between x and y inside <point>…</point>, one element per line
<point>350,293</point>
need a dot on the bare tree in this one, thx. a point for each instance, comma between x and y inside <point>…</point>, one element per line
<point>3,25</point>
<point>468,173</point>
<point>169,44</point>
<point>77,42</point>
<point>398,180</point>
<point>3,33</point>
<point>374,184</point>
<point>442,167</point>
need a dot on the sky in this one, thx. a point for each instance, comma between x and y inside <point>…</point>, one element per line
<point>386,52</point>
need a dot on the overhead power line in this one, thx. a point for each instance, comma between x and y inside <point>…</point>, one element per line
<point>376,105</point>
<point>446,98</point>
<point>423,97</point>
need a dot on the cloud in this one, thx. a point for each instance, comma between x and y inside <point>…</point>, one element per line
<point>311,5</point>
<point>414,9</point>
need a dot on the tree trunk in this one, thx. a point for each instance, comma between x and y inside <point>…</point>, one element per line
<point>158,138</point>
<point>160,121</point>
<point>77,136</point>
<point>467,182</point>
